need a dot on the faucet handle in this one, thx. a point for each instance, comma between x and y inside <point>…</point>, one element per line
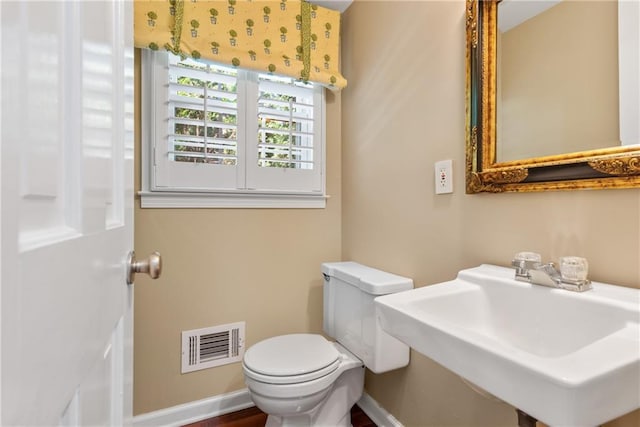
<point>574,268</point>
<point>528,256</point>
<point>526,260</point>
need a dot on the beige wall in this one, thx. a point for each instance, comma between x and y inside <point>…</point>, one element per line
<point>227,265</point>
<point>559,82</point>
<point>403,110</point>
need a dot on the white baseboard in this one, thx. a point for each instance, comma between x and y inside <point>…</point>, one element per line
<point>230,402</point>
<point>377,413</point>
<point>195,411</point>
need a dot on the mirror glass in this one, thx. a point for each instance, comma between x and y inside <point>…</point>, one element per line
<point>560,74</point>
<point>552,95</point>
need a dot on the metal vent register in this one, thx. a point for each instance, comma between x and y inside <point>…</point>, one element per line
<point>214,346</point>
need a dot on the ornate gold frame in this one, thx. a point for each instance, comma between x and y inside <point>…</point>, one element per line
<point>616,167</point>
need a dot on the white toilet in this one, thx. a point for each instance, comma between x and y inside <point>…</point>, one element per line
<point>305,380</point>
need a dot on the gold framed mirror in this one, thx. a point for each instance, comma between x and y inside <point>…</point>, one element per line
<point>593,168</point>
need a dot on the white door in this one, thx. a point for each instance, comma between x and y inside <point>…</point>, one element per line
<point>66,220</point>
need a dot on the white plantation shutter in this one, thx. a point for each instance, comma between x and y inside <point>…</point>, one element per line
<point>197,125</point>
<point>219,130</point>
<point>203,111</point>
<point>285,124</point>
<point>287,150</point>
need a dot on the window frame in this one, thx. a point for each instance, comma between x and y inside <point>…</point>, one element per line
<point>153,196</point>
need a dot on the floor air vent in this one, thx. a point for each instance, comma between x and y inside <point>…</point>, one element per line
<point>209,347</point>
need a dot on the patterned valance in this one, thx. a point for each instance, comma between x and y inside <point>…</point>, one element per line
<point>287,37</point>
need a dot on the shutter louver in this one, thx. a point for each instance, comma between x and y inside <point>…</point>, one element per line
<point>203,113</point>
<point>285,123</point>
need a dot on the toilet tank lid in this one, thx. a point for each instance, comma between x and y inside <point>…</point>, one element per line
<point>369,280</point>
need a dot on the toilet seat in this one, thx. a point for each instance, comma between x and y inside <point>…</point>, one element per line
<point>291,379</point>
<point>291,359</point>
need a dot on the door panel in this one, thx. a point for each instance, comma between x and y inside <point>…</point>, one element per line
<point>66,187</point>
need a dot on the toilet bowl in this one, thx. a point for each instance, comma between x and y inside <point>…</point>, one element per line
<point>306,380</point>
<point>291,386</point>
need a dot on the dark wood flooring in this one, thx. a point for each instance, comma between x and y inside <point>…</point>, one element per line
<point>254,417</point>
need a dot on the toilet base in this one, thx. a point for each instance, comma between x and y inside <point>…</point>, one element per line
<point>334,410</point>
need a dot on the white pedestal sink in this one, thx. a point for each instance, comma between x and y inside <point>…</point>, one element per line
<point>565,358</point>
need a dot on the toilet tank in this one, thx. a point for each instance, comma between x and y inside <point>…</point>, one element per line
<point>349,313</point>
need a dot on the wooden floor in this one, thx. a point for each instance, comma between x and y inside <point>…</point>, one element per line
<point>254,417</point>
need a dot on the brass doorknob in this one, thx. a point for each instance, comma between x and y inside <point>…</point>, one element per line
<point>151,266</point>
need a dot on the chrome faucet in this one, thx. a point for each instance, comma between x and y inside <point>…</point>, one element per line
<point>529,268</point>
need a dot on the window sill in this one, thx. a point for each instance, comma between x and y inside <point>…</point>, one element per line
<point>177,200</point>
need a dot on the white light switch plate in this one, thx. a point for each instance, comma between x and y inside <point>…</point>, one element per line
<point>444,176</point>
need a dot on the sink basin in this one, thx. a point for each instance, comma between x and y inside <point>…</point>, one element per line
<point>565,358</point>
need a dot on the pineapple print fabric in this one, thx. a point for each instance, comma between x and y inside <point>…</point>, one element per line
<point>324,46</point>
<point>153,23</point>
<point>286,37</point>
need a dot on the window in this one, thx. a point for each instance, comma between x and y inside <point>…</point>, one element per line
<point>222,137</point>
